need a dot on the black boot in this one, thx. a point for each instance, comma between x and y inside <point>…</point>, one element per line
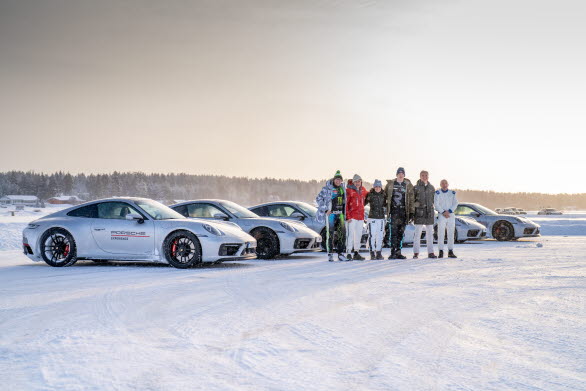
<point>415,255</point>
<point>398,255</point>
<point>393,254</point>
<point>349,257</point>
<point>441,254</point>
<point>372,256</point>
<point>357,256</point>
<point>431,255</point>
<point>379,256</point>
<point>451,254</point>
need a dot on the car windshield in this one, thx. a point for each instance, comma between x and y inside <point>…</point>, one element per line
<point>310,210</point>
<point>484,210</point>
<point>238,211</point>
<point>157,210</point>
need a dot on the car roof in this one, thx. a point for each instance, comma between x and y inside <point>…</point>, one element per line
<point>279,202</point>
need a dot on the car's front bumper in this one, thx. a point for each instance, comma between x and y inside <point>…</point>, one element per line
<point>527,230</point>
<point>299,242</point>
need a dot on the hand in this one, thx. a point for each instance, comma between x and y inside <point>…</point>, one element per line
<point>328,213</point>
<point>411,217</point>
<point>446,214</point>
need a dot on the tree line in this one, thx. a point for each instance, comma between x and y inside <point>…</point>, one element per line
<point>246,191</point>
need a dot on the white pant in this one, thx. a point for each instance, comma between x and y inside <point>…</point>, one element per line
<point>428,237</point>
<point>353,235</point>
<point>442,222</point>
<point>376,227</point>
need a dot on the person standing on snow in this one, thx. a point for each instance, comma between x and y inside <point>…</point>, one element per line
<point>424,193</point>
<point>377,199</point>
<point>356,193</point>
<point>400,206</point>
<point>331,209</point>
<point>445,203</point>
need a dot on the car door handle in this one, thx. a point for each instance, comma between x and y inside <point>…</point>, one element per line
<point>99,229</point>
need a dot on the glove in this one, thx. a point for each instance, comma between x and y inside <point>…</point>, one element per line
<point>411,217</point>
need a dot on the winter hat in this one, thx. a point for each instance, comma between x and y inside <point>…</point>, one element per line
<point>356,177</point>
<point>338,175</point>
<point>400,169</point>
<point>377,183</point>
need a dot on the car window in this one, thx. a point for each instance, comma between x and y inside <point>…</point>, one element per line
<point>115,210</point>
<point>181,209</point>
<point>261,211</point>
<point>89,211</point>
<point>280,210</point>
<point>205,211</point>
<point>464,210</point>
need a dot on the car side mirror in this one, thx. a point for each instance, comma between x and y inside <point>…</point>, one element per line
<point>297,215</point>
<point>476,214</point>
<point>220,216</point>
<point>134,216</point>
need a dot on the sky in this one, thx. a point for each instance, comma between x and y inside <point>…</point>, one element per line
<point>488,94</point>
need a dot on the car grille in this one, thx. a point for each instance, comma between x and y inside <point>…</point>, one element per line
<point>473,233</point>
<point>301,244</point>
<point>229,249</point>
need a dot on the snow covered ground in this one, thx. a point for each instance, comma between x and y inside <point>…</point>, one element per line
<point>504,316</point>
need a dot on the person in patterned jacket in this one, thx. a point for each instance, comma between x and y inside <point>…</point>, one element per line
<point>331,209</point>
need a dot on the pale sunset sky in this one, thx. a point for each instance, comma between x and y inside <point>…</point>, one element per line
<point>489,94</point>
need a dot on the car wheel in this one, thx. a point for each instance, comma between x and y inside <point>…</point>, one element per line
<point>503,231</point>
<point>58,248</point>
<point>182,250</point>
<point>267,243</point>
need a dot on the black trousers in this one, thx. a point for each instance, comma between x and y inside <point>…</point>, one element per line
<point>397,223</point>
<point>337,236</point>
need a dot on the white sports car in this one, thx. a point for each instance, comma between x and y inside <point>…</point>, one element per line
<point>301,211</point>
<point>132,229</point>
<point>500,227</point>
<point>274,236</point>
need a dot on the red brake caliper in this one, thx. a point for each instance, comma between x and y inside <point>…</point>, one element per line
<point>66,252</point>
<point>174,248</point>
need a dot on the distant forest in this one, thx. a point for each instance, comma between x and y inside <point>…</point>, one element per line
<point>246,191</point>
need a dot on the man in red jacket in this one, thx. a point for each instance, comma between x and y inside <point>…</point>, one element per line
<point>355,196</point>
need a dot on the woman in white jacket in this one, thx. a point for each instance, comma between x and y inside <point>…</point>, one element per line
<point>445,203</point>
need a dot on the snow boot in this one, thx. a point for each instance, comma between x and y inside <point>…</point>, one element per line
<point>451,254</point>
<point>379,256</point>
<point>415,255</point>
<point>357,256</point>
<point>441,254</point>
<point>342,258</point>
<point>398,255</point>
<point>349,257</point>
<point>393,254</point>
<point>431,255</point>
<point>331,257</point>
<point>373,257</point>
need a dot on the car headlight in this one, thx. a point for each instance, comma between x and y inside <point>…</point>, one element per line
<point>213,230</point>
<point>288,227</point>
<point>33,226</point>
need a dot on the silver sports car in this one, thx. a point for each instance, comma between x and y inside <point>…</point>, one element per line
<point>274,236</point>
<point>500,227</point>
<point>301,211</point>
<point>132,229</point>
